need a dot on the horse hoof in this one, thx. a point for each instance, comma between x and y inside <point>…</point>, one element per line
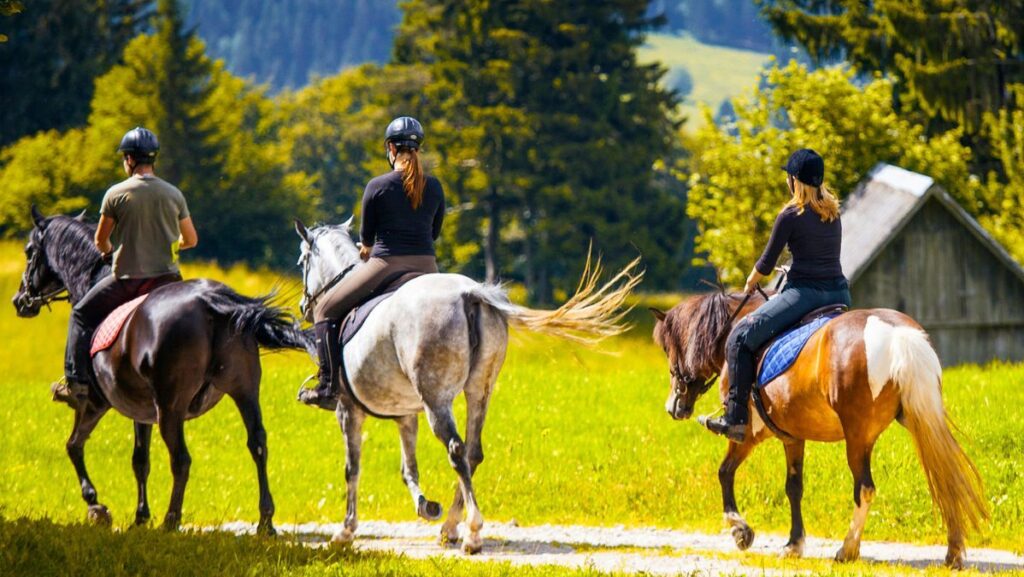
<point>448,537</point>
<point>343,537</point>
<point>429,510</point>
<point>793,550</point>
<point>266,529</point>
<point>141,520</point>
<point>744,536</point>
<point>99,515</point>
<point>171,522</point>
<point>472,544</point>
<point>847,555</point>
<point>955,560</point>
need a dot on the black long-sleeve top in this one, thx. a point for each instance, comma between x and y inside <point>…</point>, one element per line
<point>392,226</point>
<point>814,244</point>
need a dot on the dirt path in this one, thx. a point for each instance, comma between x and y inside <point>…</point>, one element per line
<point>636,550</point>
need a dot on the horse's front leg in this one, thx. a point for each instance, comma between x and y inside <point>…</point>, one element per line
<point>795,492</point>
<point>443,424</point>
<point>351,420</point>
<point>140,466</point>
<point>737,453</point>
<point>86,419</point>
<point>407,429</point>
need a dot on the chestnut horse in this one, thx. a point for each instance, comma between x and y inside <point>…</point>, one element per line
<point>856,374</point>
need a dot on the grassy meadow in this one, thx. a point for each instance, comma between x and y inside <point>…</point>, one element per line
<point>573,436</point>
<point>718,73</point>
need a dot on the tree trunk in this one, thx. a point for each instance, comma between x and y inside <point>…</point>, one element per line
<point>491,241</point>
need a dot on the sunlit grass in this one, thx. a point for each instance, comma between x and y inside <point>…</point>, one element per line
<point>573,436</point>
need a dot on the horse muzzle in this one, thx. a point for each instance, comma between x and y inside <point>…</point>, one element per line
<point>25,306</point>
<point>676,407</point>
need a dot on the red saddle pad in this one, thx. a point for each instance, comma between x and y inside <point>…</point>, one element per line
<point>111,326</point>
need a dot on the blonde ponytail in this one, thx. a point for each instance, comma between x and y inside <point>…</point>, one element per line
<point>819,198</point>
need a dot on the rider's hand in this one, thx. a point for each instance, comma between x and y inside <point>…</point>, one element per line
<point>751,284</point>
<point>364,252</point>
<point>108,258</point>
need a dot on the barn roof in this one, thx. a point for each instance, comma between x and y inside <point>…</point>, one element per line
<point>884,202</point>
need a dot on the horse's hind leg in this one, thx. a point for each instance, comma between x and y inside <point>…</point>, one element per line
<point>459,456</point>
<point>140,466</point>
<point>741,531</point>
<point>86,419</point>
<point>795,492</point>
<point>407,428</point>
<point>249,407</point>
<point>858,457</point>
<point>351,421</point>
<point>172,429</point>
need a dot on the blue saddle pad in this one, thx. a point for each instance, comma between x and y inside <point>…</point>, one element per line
<point>786,348</point>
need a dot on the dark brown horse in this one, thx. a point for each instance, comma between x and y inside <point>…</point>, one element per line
<point>857,374</point>
<point>181,351</point>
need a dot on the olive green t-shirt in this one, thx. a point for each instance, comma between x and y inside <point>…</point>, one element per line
<point>146,211</point>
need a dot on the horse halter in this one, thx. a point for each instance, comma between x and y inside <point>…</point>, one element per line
<point>309,300</point>
<point>28,299</point>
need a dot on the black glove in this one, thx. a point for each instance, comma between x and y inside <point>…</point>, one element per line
<point>108,258</point>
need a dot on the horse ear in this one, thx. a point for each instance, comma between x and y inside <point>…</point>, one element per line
<point>660,315</point>
<point>348,223</point>
<point>81,215</point>
<point>302,231</point>
<point>38,217</point>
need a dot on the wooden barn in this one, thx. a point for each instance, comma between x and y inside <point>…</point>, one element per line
<point>907,245</point>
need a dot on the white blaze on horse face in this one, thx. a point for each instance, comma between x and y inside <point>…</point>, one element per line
<point>878,350</point>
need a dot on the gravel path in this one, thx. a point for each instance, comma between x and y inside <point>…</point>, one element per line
<point>635,550</point>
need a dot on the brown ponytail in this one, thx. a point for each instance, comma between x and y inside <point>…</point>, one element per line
<point>413,179</point>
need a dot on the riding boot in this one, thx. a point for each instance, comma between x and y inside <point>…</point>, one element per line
<point>328,349</point>
<point>741,378</point>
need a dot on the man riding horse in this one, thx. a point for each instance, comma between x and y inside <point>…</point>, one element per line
<point>148,220</point>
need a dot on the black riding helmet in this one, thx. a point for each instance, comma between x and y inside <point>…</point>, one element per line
<point>405,132</point>
<point>141,144</point>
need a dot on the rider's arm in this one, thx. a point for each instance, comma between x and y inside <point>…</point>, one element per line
<point>189,237</point>
<point>752,280</point>
<point>103,230</point>
<point>368,225</point>
<point>781,232</point>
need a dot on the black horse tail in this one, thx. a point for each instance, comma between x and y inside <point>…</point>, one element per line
<point>271,324</point>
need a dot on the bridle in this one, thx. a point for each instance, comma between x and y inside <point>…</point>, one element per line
<point>28,299</point>
<point>309,300</point>
<point>682,381</point>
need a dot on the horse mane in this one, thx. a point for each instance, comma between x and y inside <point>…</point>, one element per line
<point>694,330</point>
<point>71,252</point>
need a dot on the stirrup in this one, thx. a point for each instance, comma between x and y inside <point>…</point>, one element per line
<point>65,392</point>
<point>735,433</point>
<point>316,396</point>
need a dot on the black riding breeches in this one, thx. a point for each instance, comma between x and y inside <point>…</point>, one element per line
<point>88,313</point>
<point>764,324</point>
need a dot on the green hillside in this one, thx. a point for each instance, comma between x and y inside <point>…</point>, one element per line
<point>716,73</point>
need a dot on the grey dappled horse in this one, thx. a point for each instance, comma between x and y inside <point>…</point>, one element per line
<point>440,335</point>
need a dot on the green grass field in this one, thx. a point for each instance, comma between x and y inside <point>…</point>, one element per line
<point>717,73</point>
<point>573,436</point>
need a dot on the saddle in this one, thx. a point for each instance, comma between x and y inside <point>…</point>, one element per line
<point>111,326</point>
<point>357,316</point>
<point>780,353</point>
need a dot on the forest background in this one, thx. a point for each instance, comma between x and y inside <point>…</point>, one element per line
<point>553,125</point>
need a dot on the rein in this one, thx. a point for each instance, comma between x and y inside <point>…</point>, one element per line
<point>312,298</point>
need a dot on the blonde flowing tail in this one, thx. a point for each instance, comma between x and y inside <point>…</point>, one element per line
<point>594,313</point>
<point>953,480</point>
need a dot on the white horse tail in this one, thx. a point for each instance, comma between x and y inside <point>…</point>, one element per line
<point>594,313</point>
<point>903,355</point>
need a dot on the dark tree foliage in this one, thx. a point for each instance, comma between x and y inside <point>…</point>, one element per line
<point>548,101</point>
<point>54,51</point>
<point>953,59</point>
<point>285,42</point>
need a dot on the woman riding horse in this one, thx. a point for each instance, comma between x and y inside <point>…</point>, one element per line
<point>148,219</point>
<point>814,280</point>
<point>402,215</point>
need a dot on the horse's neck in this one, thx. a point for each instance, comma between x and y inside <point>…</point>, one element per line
<point>78,277</point>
